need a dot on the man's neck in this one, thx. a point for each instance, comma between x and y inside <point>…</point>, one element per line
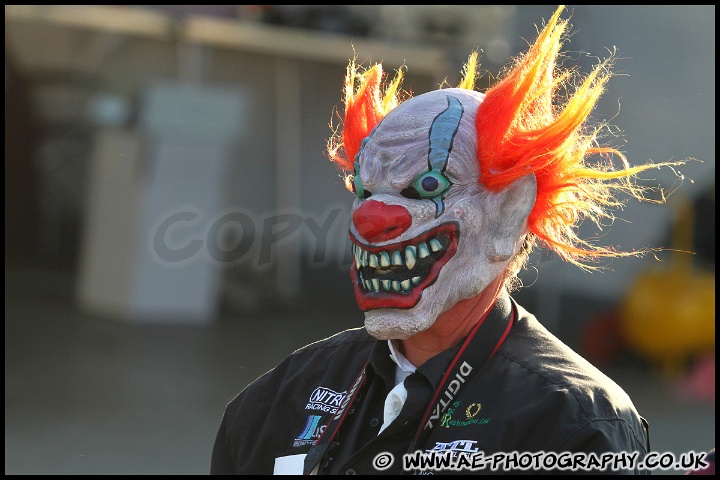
<point>450,327</point>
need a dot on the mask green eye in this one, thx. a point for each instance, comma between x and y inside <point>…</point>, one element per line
<point>431,184</point>
<point>358,187</point>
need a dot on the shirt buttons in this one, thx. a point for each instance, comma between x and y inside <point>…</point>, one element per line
<point>350,471</point>
<point>374,422</point>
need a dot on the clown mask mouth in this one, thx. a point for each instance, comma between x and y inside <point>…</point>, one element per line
<point>395,275</point>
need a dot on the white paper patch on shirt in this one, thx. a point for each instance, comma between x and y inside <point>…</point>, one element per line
<point>290,464</point>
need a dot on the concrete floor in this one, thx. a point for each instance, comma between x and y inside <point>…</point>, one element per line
<point>90,395</point>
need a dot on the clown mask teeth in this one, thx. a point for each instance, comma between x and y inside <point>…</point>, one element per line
<point>380,277</point>
<point>394,275</point>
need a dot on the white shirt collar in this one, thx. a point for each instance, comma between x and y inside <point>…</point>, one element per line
<point>404,367</point>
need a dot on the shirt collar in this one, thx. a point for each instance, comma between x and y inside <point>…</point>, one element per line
<point>400,359</point>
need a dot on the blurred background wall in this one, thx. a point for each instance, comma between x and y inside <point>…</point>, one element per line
<point>165,165</point>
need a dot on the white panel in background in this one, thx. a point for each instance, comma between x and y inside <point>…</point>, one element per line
<point>112,206</point>
<point>180,179</point>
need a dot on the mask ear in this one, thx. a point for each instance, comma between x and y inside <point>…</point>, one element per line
<point>510,208</point>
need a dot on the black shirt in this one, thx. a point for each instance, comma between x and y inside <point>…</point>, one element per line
<point>420,386</point>
<point>533,395</point>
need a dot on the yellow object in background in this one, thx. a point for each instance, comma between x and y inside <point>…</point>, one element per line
<point>668,315</point>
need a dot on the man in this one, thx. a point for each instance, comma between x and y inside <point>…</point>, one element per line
<point>454,188</point>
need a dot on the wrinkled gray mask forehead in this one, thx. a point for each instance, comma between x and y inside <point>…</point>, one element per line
<point>405,133</point>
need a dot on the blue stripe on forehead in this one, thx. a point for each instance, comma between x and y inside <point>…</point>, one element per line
<point>442,133</point>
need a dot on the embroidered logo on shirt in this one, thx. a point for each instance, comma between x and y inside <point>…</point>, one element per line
<point>310,432</point>
<point>464,446</point>
<point>325,400</point>
<point>471,416</point>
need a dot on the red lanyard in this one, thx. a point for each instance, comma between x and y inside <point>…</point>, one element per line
<point>485,338</point>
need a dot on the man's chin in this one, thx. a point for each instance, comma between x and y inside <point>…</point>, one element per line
<point>395,324</point>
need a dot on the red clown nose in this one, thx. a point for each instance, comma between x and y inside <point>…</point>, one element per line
<point>377,221</point>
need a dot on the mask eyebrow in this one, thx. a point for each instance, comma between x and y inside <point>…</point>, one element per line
<point>442,134</point>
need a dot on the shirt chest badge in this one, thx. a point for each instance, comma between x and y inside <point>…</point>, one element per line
<point>325,400</point>
<point>456,417</point>
<point>310,432</point>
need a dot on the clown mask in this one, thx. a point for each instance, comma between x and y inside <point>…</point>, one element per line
<point>426,233</point>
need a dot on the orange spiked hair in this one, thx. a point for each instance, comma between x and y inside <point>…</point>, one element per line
<point>367,100</point>
<point>522,130</point>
